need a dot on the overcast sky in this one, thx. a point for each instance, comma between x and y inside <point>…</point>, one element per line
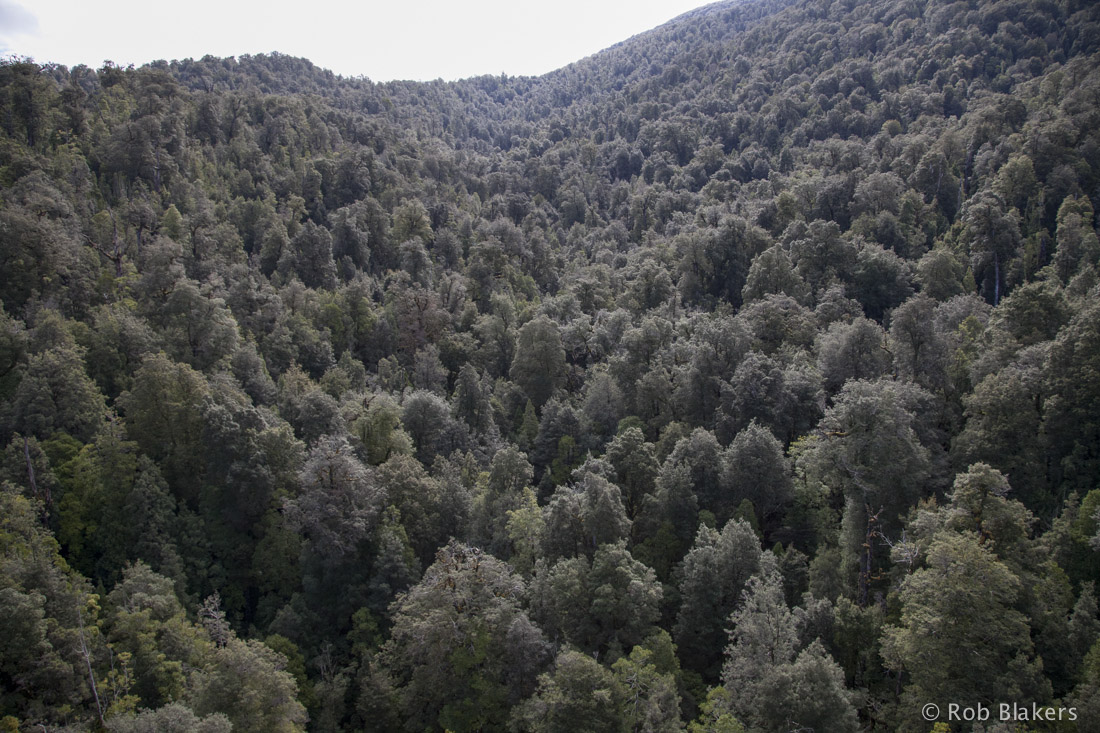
<point>404,39</point>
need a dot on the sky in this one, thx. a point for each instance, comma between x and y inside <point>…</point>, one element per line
<point>409,39</point>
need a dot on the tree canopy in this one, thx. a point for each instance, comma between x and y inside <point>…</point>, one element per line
<point>741,377</point>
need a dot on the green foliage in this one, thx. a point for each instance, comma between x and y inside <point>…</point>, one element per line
<point>461,650</point>
<point>962,599</point>
<point>714,715</point>
<point>771,683</point>
<point>580,694</point>
<point>540,360</point>
<point>711,580</point>
<point>339,504</point>
<point>651,699</point>
<point>52,616</point>
<point>163,411</point>
<point>172,718</point>
<point>147,621</point>
<point>56,395</point>
<point>755,470</point>
<point>379,430</point>
<point>246,681</point>
<point>605,605</point>
<point>279,336</point>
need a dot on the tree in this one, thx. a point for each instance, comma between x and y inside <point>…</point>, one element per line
<point>580,694</point>
<point>556,441</point>
<point>652,702</point>
<point>247,682</point>
<point>378,429</point>
<point>118,341</point>
<point>496,345</point>
<point>172,718</point>
<point>198,329</point>
<point>960,636</point>
<point>874,455</point>
<point>785,400</point>
<point>994,236</point>
<point>163,411</point>
<point>470,401</point>
<point>56,394</point>
<point>711,580</point>
<point>821,255</point>
<point>1032,313</point>
<point>339,503</point>
<point>604,519</point>
<point>1004,427</point>
<point>776,321</point>
<point>603,407</point>
<point>309,410</point>
<point>526,529</point>
<point>880,281</point>
<point>25,464</point>
<point>940,274</point>
<point>539,363</point>
<point>427,419</point>
<point>714,261</point>
<point>853,350</point>
<point>27,102</point>
<point>501,492</point>
<point>49,656</point>
<point>699,455</point>
<point>411,220</point>
<point>718,345</point>
<point>808,693</point>
<point>351,234</point>
<point>772,685</point>
<point>116,508</point>
<point>981,506</point>
<point>39,245</point>
<point>309,256</point>
<point>919,349</point>
<point>715,715</point>
<point>635,467</point>
<point>420,503</point>
<point>395,566</point>
<point>462,651</point>
<point>563,533</point>
<point>1071,419</point>
<point>606,605</point>
<point>1077,243</point>
<point>754,468</point>
<point>763,634</point>
<point>1086,696</point>
<point>772,273</point>
<point>146,622</point>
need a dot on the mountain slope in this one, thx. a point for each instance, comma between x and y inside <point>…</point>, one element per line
<point>470,403</point>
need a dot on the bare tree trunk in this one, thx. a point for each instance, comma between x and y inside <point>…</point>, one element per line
<point>30,469</point>
<point>88,661</point>
<point>996,279</point>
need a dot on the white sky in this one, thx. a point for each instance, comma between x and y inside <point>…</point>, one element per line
<point>409,39</point>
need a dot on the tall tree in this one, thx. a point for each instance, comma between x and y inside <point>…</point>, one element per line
<point>539,363</point>
<point>462,651</point>
<point>711,581</point>
<point>772,685</point>
<point>960,602</point>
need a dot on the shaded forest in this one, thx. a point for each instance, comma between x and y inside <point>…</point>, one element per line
<point>744,376</point>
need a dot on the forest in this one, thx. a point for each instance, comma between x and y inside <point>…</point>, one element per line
<point>743,377</point>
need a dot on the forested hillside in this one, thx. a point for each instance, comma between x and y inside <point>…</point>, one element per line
<point>742,377</point>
